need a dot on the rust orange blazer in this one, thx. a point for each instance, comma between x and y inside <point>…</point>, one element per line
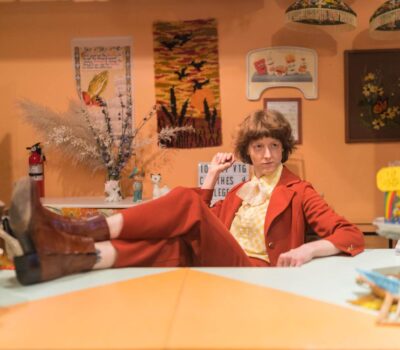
<point>294,204</point>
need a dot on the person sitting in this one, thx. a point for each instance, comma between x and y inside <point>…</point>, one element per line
<point>260,223</point>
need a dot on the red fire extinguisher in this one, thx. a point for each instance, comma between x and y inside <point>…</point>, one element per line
<point>36,166</point>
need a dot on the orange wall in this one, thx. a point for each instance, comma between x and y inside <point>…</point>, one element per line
<point>35,62</point>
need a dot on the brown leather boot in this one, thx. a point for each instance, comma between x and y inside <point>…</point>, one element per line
<point>48,252</point>
<point>95,227</point>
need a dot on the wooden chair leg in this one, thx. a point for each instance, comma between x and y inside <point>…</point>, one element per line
<point>383,315</point>
<point>397,313</point>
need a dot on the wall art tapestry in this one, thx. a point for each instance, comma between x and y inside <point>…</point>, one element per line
<point>187,81</point>
<point>282,66</point>
<point>103,81</point>
<point>372,95</point>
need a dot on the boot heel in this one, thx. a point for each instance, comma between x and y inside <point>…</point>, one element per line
<point>12,246</point>
<point>27,268</point>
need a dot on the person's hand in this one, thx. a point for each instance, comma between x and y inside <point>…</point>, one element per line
<point>295,257</point>
<point>221,161</point>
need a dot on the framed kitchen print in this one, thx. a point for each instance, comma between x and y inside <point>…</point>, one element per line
<point>372,95</point>
<point>291,109</point>
<point>282,66</point>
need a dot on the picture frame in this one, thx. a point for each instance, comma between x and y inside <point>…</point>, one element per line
<point>291,109</point>
<point>282,66</point>
<point>372,95</point>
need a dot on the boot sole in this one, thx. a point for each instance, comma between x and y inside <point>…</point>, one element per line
<point>21,214</point>
<point>27,266</point>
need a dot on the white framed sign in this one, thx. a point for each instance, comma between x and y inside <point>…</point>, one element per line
<point>237,173</point>
<point>104,81</point>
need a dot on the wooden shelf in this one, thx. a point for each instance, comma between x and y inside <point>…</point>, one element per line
<point>87,202</point>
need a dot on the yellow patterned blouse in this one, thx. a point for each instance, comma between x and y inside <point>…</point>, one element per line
<point>248,225</point>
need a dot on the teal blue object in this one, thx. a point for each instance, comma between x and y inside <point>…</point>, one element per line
<point>134,172</point>
<point>137,184</point>
<point>137,191</point>
<point>390,284</point>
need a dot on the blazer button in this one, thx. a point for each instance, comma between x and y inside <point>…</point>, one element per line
<point>350,248</point>
<point>271,245</point>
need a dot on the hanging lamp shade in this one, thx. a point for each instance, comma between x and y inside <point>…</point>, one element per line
<point>322,13</point>
<point>385,22</point>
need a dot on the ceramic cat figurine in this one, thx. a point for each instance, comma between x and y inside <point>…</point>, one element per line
<point>157,190</point>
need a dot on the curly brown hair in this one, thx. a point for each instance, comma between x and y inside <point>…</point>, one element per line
<point>264,124</point>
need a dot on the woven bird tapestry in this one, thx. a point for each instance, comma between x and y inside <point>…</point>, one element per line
<point>187,82</point>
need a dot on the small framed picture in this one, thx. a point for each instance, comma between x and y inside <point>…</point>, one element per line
<point>372,95</point>
<point>291,109</point>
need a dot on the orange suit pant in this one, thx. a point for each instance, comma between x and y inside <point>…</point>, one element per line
<point>178,229</point>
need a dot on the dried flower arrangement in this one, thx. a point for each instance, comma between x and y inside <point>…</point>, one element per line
<point>94,144</point>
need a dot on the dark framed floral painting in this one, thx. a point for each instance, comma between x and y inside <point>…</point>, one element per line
<point>372,95</point>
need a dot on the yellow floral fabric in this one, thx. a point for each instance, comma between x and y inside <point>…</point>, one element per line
<point>248,225</point>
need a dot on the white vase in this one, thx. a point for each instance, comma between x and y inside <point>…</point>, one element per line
<point>112,191</point>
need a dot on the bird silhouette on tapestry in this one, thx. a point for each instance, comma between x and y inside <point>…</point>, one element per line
<point>181,73</point>
<point>198,65</point>
<point>183,38</point>
<point>197,85</point>
<point>169,44</point>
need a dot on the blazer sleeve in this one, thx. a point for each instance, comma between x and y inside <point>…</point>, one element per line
<point>218,207</point>
<point>206,195</point>
<point>329,225</point>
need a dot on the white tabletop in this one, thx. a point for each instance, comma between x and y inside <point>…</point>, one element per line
<point>329,279</point>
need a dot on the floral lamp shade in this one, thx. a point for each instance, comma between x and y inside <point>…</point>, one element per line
<point>385,22</point>
<point>322,13</point>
